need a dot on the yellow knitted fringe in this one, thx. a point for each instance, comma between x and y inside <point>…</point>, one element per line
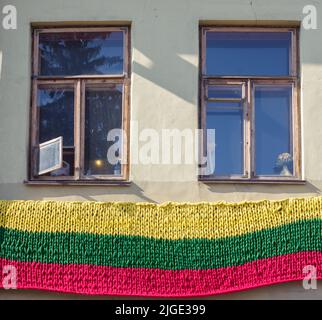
<point>167,221</point>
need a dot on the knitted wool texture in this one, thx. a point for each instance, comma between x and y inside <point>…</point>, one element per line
<point>171,250</point>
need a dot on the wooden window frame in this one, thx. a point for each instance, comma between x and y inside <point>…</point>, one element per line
<point>78,84</point>
<point>249,82</point>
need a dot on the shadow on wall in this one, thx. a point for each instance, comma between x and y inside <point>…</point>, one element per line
<point>167,56</point>
<point>158,192</point>
<point>272,189</point>
<point>13,191</point>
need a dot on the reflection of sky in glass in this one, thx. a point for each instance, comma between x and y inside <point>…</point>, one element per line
<point>248,53</point>
<point>81,53</point>
<point>228,125</point>
<point>273,126</point>
<point>222,91</point>
<point>226,117</point>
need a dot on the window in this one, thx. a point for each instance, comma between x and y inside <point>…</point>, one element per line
<point>81,82</point>
<point>249,84</point>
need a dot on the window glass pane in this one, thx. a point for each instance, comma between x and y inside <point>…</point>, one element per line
<point>273,130</point>
<point>56,114</point>
<point>103,113</point>
<point>81,53</point>
<point>224,105</point>
<point>225,92</point>
<point>248,53</point>
<point>56,119</point>
<point>228,155</point>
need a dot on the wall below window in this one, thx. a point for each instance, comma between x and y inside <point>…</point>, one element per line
<point>164,95</point>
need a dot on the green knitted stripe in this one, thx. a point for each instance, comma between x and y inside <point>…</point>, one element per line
<point>130,251</point>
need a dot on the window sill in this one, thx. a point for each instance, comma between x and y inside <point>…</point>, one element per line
<point>116,183</point>
<point>253,181</point>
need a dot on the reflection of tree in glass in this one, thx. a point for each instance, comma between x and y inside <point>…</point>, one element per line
<point>103,113</point>
<point>56,115</point>
<point>77,53</point>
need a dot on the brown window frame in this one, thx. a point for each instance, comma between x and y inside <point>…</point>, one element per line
<point>78,83</point>
<point>249,122</point>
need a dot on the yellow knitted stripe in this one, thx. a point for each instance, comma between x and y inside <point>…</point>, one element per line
<point>164,221</point>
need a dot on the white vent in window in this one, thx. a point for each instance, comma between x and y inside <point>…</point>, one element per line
<point>50,155</point>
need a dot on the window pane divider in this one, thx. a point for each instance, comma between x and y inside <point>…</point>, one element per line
<point>224,99</point>
<point>77,129</point>
<point>251,127</point>
<point>82,130</point>
<point>223,108</point>
<point>248,130</point>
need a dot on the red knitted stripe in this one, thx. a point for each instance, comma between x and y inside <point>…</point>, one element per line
<point>101,280</point>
